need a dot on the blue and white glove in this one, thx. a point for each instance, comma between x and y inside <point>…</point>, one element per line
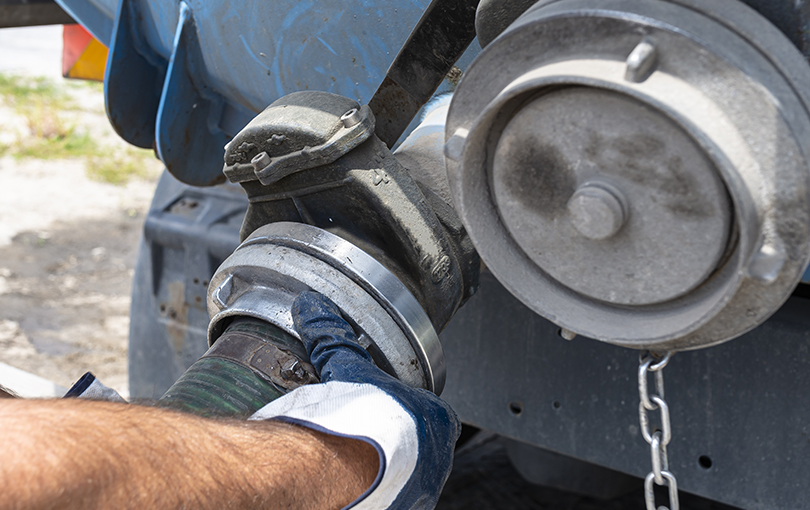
<point>414,431</point>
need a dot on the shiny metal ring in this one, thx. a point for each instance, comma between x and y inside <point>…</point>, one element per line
<point>374,278</point>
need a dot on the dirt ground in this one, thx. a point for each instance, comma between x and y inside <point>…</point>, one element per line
<point>68,239</point>
<point>66,270</point>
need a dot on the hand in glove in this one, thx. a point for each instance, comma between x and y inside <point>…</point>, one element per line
<point>413,430</point>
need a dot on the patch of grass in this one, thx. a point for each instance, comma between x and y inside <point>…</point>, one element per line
<point>120,168</point>
<point>64,144</point>
<point>23,93</point>
<point>42,103</point>
<point>39,100</point>
<point>45,122</point>
<point>86,84</point>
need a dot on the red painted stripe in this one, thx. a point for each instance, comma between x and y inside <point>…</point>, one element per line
<point>74,41</point>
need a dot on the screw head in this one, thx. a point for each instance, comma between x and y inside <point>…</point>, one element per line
<point>291,370</point>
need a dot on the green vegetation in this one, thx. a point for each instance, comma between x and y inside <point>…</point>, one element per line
<point>44,105</point>
<point>120,168</point>
<point>59,145</point>
<point>24,93</point>
<point>86,84</point>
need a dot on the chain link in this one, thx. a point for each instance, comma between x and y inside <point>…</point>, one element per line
<point>658,439</point>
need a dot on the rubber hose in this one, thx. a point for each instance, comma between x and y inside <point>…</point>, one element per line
<point>227,381</point>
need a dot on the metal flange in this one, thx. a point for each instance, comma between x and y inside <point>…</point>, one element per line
<point>644,179</point>
<point>278,261</point>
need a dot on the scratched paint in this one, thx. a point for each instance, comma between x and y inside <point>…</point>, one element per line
<point>176,315</point>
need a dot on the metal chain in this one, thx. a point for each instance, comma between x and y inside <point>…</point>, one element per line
<point>658,439</point>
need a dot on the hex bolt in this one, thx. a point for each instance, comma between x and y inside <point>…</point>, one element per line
<point>597,210</point>
<point>351,118</point>
<point>260,161</point>
<point>291,370</point>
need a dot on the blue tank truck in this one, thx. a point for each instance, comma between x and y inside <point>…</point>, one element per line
<point>545,223</point>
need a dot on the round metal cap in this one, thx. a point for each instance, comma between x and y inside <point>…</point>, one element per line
<point>610,197</point>
<point>644,179</point>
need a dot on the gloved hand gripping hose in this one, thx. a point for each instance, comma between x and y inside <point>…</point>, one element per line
<point>413,430</point>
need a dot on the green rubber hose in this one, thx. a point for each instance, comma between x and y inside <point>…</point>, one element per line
<point>250,365</point>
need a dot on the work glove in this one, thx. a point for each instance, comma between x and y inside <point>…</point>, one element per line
<point>413,430</point>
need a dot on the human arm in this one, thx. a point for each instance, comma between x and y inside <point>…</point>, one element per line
<point>82,454</point>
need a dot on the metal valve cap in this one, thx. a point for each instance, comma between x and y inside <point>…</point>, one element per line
<point>643,179</point>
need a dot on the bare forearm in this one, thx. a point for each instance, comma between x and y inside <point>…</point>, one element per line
<point>75,454</point>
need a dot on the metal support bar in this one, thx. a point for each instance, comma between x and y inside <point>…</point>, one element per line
<point>27,13</point>
<point>440,38</point>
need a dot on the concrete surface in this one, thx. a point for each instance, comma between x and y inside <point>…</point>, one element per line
<point>34,51</point>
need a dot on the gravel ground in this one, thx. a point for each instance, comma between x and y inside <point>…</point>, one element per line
<point>65,277</point>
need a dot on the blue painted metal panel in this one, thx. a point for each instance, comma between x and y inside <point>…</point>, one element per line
<point>806,277</point>
<point>97,16</point>
<point>189,139</point>
<point>133,81</point>
<point>237,57</point>
<point>339,46</point>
